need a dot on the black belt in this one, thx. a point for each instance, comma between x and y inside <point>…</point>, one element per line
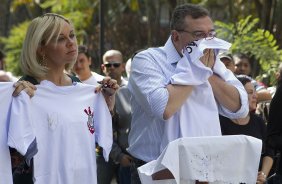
<point>138,162</point>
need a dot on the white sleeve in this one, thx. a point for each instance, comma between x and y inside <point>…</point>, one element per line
<point>103,125</point>
<point>21,134</point>
<point>220,69</point>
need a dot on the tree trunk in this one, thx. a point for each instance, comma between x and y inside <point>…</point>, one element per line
<point>7,18</point>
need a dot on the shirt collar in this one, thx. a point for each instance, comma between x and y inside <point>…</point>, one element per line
<point>123,82</point>
<point>171,52</point>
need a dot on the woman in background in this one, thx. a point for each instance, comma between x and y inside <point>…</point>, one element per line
<point>252,125</point>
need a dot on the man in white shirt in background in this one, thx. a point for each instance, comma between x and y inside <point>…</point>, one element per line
<point>82,67</point>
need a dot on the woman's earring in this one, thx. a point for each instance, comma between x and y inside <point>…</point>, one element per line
<point>43,61</point>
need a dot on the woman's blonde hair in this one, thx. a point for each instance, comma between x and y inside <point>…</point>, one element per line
<point>40,31</point>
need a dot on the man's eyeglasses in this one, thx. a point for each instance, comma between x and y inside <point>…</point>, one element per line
<point>200,35</point>
<point>115,64</point>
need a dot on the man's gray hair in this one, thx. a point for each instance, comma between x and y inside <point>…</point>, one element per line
<point>180,12</point>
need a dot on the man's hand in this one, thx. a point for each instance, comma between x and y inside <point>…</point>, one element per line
<point>108,87</point>
<point>208,58</point>
<point>126,160</point>
<point>26,86</point>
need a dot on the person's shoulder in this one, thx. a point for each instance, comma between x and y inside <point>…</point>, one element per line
<point>4,76</point>
<point>84,88</point>
<point>150,55</point>
<point>152,51</point>
<point>97,76</point>
<point>124,81</point>
<point>8,76</point>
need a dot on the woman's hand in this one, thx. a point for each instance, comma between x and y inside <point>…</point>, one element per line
<point>261,178</point>
<point>108,87</point>
<point>26,86</point>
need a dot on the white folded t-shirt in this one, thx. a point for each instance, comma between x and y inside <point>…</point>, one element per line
<point>15,129</point>
<point>66,144</point>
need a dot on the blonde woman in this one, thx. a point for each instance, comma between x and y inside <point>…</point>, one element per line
<point>69,117</point>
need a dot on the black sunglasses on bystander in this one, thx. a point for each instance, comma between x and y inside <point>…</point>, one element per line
<point>110,64</point>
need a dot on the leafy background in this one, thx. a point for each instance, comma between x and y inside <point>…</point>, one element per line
<point>254,27</point>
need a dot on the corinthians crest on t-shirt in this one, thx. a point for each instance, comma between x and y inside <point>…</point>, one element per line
<point>90,121</point>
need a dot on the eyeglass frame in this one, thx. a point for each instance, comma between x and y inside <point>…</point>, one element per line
<point>204,35</point>
<point>112,63</point>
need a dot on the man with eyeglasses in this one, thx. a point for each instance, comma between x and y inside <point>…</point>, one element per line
<point>120,160</point>
<point>155,99</point>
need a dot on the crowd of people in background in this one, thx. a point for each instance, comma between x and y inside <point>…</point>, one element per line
<point>146,94</point>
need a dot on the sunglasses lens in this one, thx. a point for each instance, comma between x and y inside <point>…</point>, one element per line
<point>116,65</point>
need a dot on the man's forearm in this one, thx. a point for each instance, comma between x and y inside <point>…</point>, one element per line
<point>177,96</point>
<point>226,94</point>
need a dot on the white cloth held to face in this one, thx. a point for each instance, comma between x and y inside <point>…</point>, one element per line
<point>190,70</point>
<point>198,116</point>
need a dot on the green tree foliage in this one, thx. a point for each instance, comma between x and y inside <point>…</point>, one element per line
<point>79,11</point>
<point>13,46</point>
<point>131,25</point>
<point>257,43</point>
